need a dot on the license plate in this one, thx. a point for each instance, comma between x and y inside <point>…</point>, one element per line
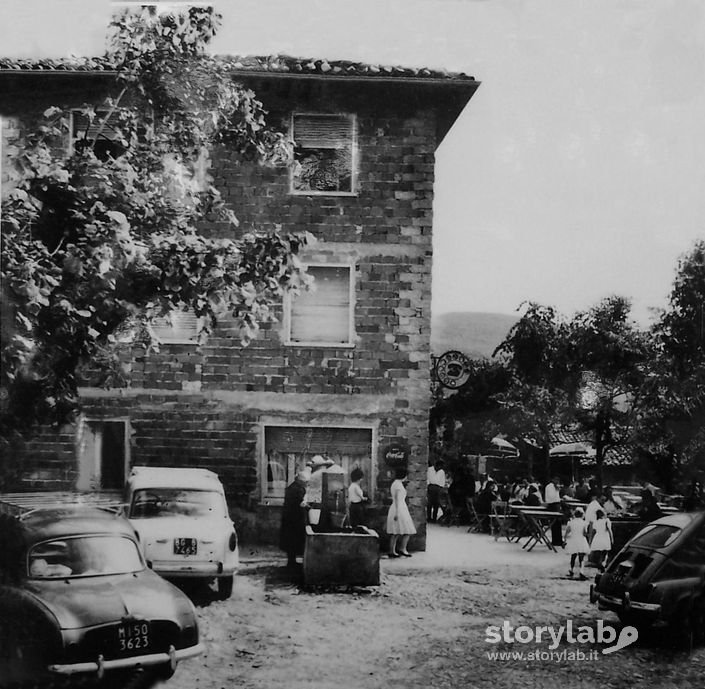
<point>133,636</point>
<point>185,546</point>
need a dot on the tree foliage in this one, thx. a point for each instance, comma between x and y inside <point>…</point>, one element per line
<point>107,237</point>
<point>671,407</point>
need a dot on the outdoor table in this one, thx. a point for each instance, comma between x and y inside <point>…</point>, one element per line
<point>538,522</point>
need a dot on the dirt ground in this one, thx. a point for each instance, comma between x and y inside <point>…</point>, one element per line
<point>423,627</point>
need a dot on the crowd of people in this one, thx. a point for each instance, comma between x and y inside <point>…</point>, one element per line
<point>587,508</point>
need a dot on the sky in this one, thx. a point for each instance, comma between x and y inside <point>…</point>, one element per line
<point>576,171</point>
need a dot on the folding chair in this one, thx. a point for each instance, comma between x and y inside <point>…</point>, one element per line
<point>477,520</point>
<point>502,521</point>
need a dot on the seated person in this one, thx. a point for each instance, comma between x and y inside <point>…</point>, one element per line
<point>42,569</point>
<point>533,499</point>
<point>648,508</point>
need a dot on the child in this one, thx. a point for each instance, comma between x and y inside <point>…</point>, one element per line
<point>575,541</point>
<point>356,499</point>
<point>602,540</point>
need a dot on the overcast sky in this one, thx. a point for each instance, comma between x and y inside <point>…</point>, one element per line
<point>576,171</point>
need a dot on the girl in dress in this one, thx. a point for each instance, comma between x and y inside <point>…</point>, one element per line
<point>356,499</point>
<point>602,540</point>
<point>399,521</point>
<point>575,541</point>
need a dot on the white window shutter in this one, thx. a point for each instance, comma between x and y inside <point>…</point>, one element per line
<point>181,327</point>
<point>323,131</point>
<point>323,313</point>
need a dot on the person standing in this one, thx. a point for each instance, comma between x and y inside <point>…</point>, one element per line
<point>436,482</point>
<point>552,498</point>
<point>292,534</point>
<point>356,499</point>
<point>602,540</point>
<point>576,544</point>
<point>400,525</point>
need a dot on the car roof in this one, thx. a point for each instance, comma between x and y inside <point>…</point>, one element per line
<point>61,522</point>
<point>680,519</point>
<point>174,477</point>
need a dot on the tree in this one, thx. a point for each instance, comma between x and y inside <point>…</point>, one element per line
<point>582,372</point>
<point>671,407</point>
<point>536,400</point>
<point>108,237</point>
<point>464,422</point>
<point>608,356</point>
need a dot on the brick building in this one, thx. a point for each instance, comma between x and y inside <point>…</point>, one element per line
<point>345,371</point>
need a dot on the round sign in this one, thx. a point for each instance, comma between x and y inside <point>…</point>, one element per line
<point>396,455</point>
<point>453,369</point>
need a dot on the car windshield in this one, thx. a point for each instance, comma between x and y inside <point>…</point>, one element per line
<point>164,502</point>
<point>84,556</point>
<point>656,536</point>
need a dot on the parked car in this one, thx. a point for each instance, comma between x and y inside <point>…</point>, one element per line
<point>182,519</point>
<point>77,600</point>
<point>659,576</point>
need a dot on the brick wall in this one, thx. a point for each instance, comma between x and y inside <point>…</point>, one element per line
<point>204,406</point>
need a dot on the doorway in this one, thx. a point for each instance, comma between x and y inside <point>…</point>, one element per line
<point>103,454</point>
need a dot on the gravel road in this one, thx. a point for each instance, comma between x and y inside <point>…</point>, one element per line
<point>423,627</point>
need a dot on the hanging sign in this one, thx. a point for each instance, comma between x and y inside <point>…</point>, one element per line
<point>396,455</point>
<point>453,369</point>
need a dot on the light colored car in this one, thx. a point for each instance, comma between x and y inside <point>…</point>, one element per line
<point>182,519</point>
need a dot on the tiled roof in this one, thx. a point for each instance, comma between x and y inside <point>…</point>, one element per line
<point>68,64</point>
<point>617,455</point>
<point>271,64</point>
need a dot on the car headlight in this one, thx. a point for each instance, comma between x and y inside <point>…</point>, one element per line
<point>233,541</point>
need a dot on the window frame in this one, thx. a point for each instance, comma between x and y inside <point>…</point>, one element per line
<point>352,117</point>
<point>371,477</point>
<point>73,112</point>
<point>160,322</point>
<point>289,303</point>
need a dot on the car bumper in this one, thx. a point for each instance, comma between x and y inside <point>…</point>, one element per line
<point>624,604</point>
<point>167,568</point>
<point>100,666</point>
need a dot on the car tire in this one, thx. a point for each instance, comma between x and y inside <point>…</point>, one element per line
<point>691,624</point>
<point>225,587</point>
<point>24,650</point>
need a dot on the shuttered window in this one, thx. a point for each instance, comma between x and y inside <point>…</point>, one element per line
<point>180,327</point>
<point>287,449</point>
<point>324,154</point>
<point>84,131</point>
<point>323,314</point>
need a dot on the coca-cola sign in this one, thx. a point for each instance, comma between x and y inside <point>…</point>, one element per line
<point>396,455</point>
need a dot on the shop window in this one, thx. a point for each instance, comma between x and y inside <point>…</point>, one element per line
<point>287,450</point>
<point>323,315</point>
<point>325,154</point>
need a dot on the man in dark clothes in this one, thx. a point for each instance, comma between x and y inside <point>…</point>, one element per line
<point>292,536</point>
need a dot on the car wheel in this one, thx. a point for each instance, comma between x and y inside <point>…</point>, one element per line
<point>692,624</point>
<point>225,587</point>
<point>23,654</point>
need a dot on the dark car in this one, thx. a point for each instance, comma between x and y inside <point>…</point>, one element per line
<point>659,575</point>
<point>77,600</point>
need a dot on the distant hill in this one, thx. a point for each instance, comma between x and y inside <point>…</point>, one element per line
<point>474,334</point>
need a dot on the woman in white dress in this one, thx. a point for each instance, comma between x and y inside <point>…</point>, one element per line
<point>400,525</point>
<point>602,540</point>
<point>576,544</point>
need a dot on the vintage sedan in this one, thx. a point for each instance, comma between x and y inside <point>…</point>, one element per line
<point>78,601</point>
<point>659,576</point>
<point>185,529</point>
